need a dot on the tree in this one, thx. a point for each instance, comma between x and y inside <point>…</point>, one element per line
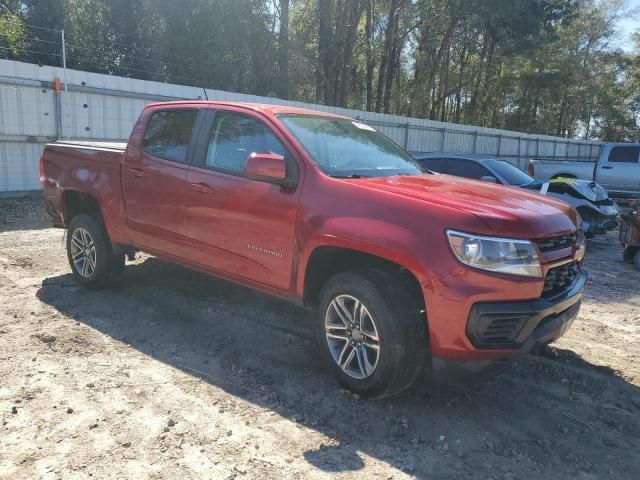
<point>283,49</point>
<point>540,66</point>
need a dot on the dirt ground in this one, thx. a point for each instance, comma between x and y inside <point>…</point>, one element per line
<point>179,375</point>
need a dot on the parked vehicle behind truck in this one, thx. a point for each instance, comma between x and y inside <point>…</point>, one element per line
<point>598,212</point>
<point>617,169</point>
<point>405,270</point>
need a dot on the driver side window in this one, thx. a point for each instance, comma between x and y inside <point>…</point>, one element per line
<point>235,137</point>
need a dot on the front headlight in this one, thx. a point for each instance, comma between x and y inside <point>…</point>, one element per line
<point>610,210</point>
<point>502,255</point>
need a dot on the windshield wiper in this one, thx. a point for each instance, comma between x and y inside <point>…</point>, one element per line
<point>353,175</point>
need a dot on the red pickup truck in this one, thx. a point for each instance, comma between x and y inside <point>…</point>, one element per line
<point>407,270</point>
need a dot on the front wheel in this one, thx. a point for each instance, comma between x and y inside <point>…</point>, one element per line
<point>371,332</point>
<point>92,260</point>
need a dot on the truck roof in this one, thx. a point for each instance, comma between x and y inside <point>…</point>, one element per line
<point>266,108</point>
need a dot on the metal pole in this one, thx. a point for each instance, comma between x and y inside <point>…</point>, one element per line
<point>64,59</point>
<point>58,107</point>
<point>520,151</point>
<point>407,127</point>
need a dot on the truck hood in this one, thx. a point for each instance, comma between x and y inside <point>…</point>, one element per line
<point>507,211</point>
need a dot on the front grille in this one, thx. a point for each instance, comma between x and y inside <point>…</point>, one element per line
<point>560,279</point>
<point>559,242</point>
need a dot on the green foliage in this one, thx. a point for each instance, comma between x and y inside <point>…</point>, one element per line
<point>542,66</point>
<point>11,34</point>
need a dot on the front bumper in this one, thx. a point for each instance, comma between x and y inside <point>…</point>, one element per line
<point>513,327</point>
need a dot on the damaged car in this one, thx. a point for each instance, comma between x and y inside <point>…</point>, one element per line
<point>599,212</point>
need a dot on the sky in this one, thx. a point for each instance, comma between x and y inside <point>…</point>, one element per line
<point>629,25</point>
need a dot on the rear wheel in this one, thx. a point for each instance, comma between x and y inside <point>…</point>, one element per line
<point>90,255</point>
<point>371,332</point>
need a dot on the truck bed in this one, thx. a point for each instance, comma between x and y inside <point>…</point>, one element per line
<point>544,169</point>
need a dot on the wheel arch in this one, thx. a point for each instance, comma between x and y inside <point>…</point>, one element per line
<point>326,261</point>
<point>76,202</point>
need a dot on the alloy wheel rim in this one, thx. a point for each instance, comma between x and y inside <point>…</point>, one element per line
<point>352,336</point>
<point>83,252</point>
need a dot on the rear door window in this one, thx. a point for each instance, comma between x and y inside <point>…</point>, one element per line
<point>466,168</point>
<point>168,134</point>
<point>624,154</point>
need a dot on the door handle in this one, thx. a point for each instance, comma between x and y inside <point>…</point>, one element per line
<point>605,167</point>
<point>202,187</point>
<point>136,172</point>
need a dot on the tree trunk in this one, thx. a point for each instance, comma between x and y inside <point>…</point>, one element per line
<point>324,70</point>
<point>352,17</point>
<point>370,59</point>
<point>462,67</point>
<point>476,88</point>
<point>283,51</point>
<point>488,80</point>
<point>391,70</point>
<point>386,52</point>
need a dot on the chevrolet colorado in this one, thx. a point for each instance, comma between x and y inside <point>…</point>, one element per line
<point>406,270</point>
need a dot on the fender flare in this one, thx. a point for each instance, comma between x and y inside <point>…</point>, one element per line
<point>403,259</point>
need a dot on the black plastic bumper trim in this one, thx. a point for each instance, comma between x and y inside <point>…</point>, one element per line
<point>537,319</point>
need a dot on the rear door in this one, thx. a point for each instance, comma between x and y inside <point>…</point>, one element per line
<point>154,180</point>
<point>236,225</point>
<point>621,170</point>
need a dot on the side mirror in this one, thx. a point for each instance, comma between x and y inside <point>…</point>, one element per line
<point>489,178</point>
<point>269,168</point>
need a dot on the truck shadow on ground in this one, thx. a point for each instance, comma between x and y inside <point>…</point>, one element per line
<point>538,419</point>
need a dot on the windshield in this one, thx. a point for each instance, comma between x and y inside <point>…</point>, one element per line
<point>349,149</point>
<point>512,174</point>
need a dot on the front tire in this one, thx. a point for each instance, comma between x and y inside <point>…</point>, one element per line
<point>372,333</point>
<point>90,255</point>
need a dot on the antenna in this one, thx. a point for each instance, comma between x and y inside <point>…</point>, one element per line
<point>205,93</point>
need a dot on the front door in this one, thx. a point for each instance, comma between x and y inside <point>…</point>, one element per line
<point>235,225</point>
<point>154,182</point>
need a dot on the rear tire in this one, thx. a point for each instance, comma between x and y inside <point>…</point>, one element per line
<point>369,314</point>
<point>92,261</point>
